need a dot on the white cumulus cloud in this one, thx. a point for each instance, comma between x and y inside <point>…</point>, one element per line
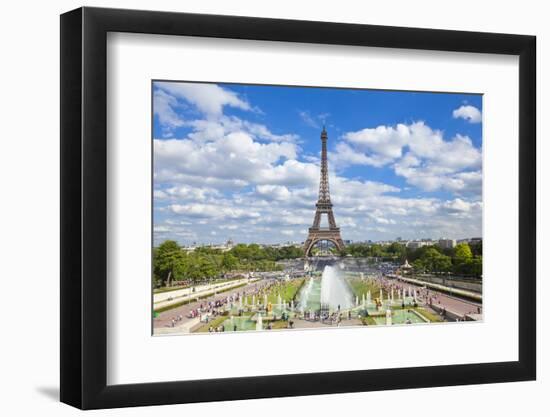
<point>469,113</point>
<point>416,152</point>
<point>208,98</point>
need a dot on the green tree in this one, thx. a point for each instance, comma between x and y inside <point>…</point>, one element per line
<point>397,250</point>
<point>241,251</point>
<point>435,261</point>
<point>168,262</point>
<point>476,266</point>
<point>376,251</point>
<point>463,253</point>
<point>462,259</point>
<point>419,266</point>
<point>477,248</point>
<point>229,262</point>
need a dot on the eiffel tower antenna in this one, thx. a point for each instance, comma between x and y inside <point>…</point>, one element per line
<point>323,206</point>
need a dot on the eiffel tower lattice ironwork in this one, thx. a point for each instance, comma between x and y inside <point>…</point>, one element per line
<point>323,206</point>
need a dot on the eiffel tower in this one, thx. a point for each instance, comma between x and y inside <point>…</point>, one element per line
<point>323,206</point>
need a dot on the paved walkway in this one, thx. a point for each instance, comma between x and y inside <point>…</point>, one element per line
<point>184,327</point>
<point>164,319</point>
<point>440,300</point>
<point>174,297</point>
<point>474,296</point>
<point>306,324</point>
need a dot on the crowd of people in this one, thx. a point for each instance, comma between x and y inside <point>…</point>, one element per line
<point>423,294</point>
<point>253,297</point>
<point>211,308</point>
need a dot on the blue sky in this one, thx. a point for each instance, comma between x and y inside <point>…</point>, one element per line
<point>242,162</point>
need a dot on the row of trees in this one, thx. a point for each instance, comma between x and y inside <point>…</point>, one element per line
<point>366,250</point>
<point>463,259</point>
<point>459,260</point>
<point>171,263</point>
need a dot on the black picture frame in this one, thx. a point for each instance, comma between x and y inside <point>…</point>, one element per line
<point>84,207</point>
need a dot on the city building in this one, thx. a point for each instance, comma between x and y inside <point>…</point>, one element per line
<point>224,247</point>
<point>417,244</point>
<point>444,243</point>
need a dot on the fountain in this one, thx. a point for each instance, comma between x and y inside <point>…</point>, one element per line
<point>254,300</point>
<point>265,300</point>
<point>334,291</point>
<point>369,298</point>
<point>356,301</point>
<point>259,322</point>
<point>304,296</point>
<point>388,317</point>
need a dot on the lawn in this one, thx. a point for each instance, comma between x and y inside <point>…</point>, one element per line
<point>168,289</point>
<point>214,323</point>
<point>360,287</point>
<point>368,321</point>
<point>279,324</point>
<point>287,289</point>
<point>430,315</point>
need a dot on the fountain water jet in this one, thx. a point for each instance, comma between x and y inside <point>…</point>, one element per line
<point>259,322</point>
<point>305,295</point>
<point>334,291</point>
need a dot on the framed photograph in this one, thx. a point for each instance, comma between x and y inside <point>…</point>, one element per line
<point>256,208</point>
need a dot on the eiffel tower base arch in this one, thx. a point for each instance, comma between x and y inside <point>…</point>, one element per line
<point>317,236</point>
